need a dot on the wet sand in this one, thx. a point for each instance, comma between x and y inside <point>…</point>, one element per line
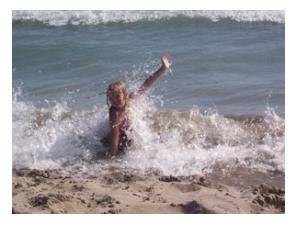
<point>49,191</point>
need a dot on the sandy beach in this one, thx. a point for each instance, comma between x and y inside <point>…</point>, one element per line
<point>48,191</point>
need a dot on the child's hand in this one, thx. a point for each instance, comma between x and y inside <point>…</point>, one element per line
<point>165,59</point>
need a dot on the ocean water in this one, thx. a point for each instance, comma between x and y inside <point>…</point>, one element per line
<point>221,106</point>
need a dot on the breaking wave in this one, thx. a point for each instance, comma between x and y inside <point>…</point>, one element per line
<point>61,18</point>
<point>164,140</point>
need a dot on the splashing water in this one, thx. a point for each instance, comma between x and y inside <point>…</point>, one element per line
<point>187,143</point>
<point>167,141</point>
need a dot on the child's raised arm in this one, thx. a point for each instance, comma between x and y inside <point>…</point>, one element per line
<point>149,82</point>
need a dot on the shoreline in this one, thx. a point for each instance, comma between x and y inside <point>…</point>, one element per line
<point>116,192</point>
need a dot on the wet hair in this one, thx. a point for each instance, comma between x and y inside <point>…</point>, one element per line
<point>117,86</point>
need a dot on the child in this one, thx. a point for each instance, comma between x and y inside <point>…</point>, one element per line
<point>118,99</point>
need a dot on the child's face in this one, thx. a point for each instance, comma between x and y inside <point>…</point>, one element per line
<point>117,99</point>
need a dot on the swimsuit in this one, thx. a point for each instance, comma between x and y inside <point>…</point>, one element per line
<point>124,142</point>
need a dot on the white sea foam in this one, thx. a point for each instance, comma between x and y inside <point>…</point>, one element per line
<point>189,143</point>
<point>48,137</point>
<point>60,18</point>
<point>167,141</point>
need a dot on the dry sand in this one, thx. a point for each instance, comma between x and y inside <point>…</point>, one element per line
<point>48,191</point>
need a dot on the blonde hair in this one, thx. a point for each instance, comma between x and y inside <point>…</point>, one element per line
<point>117,86</point>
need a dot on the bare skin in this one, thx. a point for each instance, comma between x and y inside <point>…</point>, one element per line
<point>118,110</point>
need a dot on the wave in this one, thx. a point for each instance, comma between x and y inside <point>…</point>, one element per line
<point>61,18</point>
<point>166,141</point>
<point>193,142</point>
